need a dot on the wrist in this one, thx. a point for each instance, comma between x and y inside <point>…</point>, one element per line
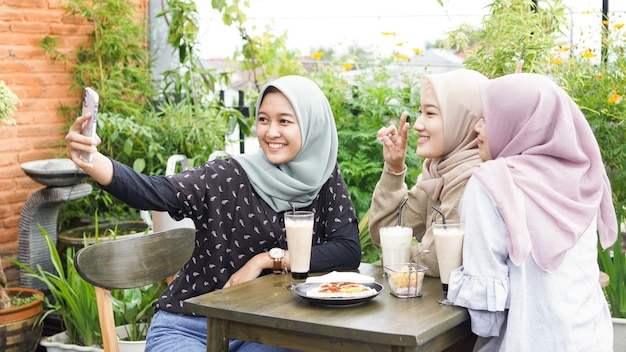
<point>396,170</point>
<point>277,256</point>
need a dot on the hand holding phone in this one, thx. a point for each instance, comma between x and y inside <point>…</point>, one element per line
<point>90,106</point>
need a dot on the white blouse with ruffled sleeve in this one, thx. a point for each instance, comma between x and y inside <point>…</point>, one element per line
<point>523,308</point>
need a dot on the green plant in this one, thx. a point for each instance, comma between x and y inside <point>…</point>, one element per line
<point>20,299</point>
<point>136,130</point>
<point>8,104</point>
<point>598,85</point>
<point>362,102</point>
<point>613,262</point>
<point>116,62</point>
<point>72,298</point>
<point>514,30</point>
<point>133,308</point>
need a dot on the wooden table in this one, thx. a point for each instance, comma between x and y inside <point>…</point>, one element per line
<point>265,310</point>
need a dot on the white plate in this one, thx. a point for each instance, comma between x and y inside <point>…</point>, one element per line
<point>302,289</point>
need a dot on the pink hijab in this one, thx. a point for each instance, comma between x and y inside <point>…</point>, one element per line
<point>541,142</point>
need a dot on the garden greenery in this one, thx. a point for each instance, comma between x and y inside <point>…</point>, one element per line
<point>139,127</point>
<point>71,297</point>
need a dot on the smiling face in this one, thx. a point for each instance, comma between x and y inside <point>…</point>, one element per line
<point>483,145</point>
<point>277,128</point>
<point>429,126</point>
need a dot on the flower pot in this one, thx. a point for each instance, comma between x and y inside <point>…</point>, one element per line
<point>20,330</point>
<point>128,346</point>
<point>58,343</point>
<point>619,334</point>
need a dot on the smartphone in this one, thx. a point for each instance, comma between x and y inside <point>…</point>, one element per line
<point>90,105</point>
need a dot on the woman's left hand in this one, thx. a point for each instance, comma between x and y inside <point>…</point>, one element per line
<point>395,143</point>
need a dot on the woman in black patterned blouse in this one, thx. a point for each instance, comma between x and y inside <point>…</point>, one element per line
<point>237,205</point>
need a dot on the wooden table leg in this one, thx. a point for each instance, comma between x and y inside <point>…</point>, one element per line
<point>216,341</point>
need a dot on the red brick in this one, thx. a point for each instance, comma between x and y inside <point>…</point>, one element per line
<point>11,147</point>
<point>64,29</point>
<point>43,16</point>
<point>12,222</point>
<point>6,183</point>
<point>11,38</point>
<point>5,211</point>
<point>11,14</point>
<point>12,171</point>
<point>6,159</point>
<point>16,196</point>
<point>36,155</point>
<point>10,66</point>
<point>30,27</point>
<point>27,3</point>
<point>27,52</point>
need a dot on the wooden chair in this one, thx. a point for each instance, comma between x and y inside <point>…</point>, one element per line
<point>129,263</point>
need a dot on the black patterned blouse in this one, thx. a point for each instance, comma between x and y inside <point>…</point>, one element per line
<point>234,224</point>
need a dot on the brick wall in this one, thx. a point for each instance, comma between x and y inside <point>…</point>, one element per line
<point>41,85</point>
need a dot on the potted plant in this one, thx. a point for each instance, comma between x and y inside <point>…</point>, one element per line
<point>133,313</point>
<point>71,297</point>
<point>20,311</point>
<point>74,300</point>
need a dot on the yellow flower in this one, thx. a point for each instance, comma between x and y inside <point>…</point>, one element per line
<point>399,44</point>
<point>317,55</point>
<point>563,49</point>
<point>618,26</point>
<point>588,54</point>
<point>347,66</point>
<point>615,98</point>
<point>556,61</point>
<point>417,51</point>
<point>600,75</point>
<point>605,22</point>
<point>586,12</point>
<point>401,57</point>
<point>388,34</point>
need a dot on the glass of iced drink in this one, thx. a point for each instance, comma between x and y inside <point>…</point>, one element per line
<point>395,242</point>
<point>299,229</point>
<point>449,245</point>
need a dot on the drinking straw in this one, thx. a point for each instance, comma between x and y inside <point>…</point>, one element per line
<point>443,217</point>
<point>400,210</point>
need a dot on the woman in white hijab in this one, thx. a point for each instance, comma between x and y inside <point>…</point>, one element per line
<point>533,213</point>
<point>449,109</point>
<point>237,205</point>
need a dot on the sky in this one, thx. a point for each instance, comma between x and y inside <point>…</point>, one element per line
<point>342,23</point>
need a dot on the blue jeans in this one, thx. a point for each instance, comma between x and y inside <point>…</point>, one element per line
<point>174,333</point>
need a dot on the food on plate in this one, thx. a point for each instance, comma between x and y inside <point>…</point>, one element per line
<point>340,289</point>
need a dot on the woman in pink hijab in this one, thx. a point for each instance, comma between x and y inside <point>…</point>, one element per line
<point>533,213</point>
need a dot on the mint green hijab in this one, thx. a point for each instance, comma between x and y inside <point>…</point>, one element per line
<point>297,182</point>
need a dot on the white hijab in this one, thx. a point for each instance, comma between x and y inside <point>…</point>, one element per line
<point>297,182</point>
<point>459,101</point>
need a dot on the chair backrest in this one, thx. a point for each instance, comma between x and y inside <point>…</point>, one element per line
<point>129,263</point>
